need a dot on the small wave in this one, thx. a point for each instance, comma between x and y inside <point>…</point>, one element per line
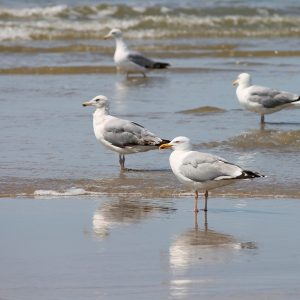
<point>262,139</point>
<point>160,185</point>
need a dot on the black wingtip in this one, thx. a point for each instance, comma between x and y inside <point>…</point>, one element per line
<point>296,100</point>
<point>160,65</point>
<point>250,174</point>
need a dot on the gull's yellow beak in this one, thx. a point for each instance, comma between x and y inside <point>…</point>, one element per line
<point>86,103</point>
<point>165,146</point>
<point>235,82</point>
<point>107,36</point>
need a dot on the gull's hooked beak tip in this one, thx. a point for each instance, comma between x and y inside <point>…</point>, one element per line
<point>235,82</point>
<point>84,104</point>
<point>106,37</point>
<point>165,146</point>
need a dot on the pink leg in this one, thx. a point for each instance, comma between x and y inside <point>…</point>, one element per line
<point>205,200</point>
<point>196,210</point>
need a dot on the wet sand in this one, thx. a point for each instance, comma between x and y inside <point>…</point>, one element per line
<point>125,247</point>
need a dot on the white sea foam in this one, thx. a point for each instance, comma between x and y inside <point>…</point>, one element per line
<point>13,33</point>
<point>35,11</point>
<point>68,192</point>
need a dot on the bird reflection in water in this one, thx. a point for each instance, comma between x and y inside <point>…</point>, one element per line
<point>204,246</point>
<point>123,212</point>
<point>124,87</point>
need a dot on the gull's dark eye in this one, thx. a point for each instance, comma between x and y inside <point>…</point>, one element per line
<point>97,100</point>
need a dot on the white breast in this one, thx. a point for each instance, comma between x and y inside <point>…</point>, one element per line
<point>243,95</point>
<point>121,58</point>
<point>176,159</point>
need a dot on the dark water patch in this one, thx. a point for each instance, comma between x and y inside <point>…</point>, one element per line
<point>154,50</point>
<point>55,49</point>
<point>58,70</point>
<point>203,110</point>
<point>91,47</point>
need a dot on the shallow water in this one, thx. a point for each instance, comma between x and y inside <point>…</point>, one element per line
<point>73,226</point>
<point>48,140</point>
<point>116,247</point>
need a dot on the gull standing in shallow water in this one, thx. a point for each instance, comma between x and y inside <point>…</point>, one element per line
<point>260,99</point>
<point>128,61</point>
<point>122,136</point>
<point>202,171</point>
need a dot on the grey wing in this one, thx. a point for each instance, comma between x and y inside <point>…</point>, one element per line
<point>270,98</point>
<point>141,60</point>
<point>123,133</point>
<point>202,167</point>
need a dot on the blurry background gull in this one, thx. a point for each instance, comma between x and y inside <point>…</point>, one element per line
<point>128,61</point>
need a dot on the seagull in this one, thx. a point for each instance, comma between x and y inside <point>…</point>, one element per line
<point>260,99</point>
<point>202,171</point>
<point>128,61</point>
<point>122,136</point>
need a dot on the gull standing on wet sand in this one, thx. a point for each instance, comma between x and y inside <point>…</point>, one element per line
<point>202,171</point>
<point>122,136</point>
<point>128,61</point>
<point>260,99</point>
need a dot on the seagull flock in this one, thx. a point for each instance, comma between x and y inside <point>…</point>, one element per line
<point>201,172</point>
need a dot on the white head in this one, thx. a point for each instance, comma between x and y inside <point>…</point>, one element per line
<point>99,101</point>
<point>114,33</point>
<point>244,80</point>
<point>179,143</point>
